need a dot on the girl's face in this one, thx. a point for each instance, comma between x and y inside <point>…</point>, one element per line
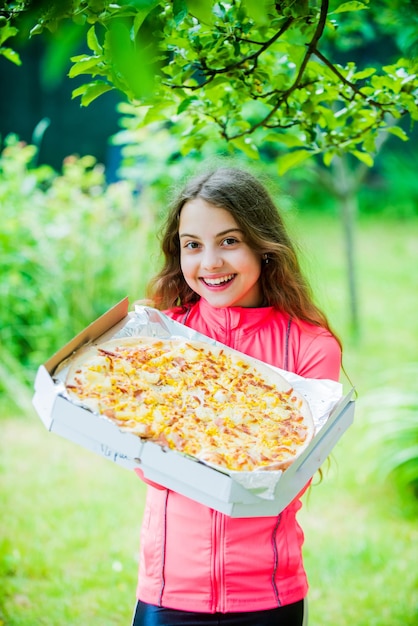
<point>215,260</point>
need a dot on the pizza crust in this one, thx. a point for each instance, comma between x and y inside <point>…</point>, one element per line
<point>207,401</point>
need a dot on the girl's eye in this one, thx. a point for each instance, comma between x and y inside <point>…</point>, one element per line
<point>191,245</point>
<point>230,241</point>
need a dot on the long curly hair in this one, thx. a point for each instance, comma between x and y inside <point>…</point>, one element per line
<point>282,283</point>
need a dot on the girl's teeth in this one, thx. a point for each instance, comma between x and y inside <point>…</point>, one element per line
<point>218,281</point>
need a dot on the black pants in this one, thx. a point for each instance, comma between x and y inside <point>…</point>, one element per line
<point>150,615</point>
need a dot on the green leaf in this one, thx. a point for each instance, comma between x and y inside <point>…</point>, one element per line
<point>79,91</point>
<point>36,30</point>
<point>399,132</point>
<point>144,8</point>
<point>247,146</point>
<point>91,91</point>
<point>350,6</point>
<point>93,42</point>
<point>288,139</point>
<point>364,73</point>
<point>287,161</point>
<point>133,64</point>
<point>369,143</point>
<point>11,55</point>
<point>184,104</point>
<point>179,10</point>
<point>159,111</point>
<point>84,66</point>
<point>365,157</point>
<point>257,10</point>
<point>327,158</point>
<point>201,9</point>
<point>6,32</point>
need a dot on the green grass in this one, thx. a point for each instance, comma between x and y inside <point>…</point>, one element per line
<point>70,531</point>
<point>70,520</point>
<point>359,532</point>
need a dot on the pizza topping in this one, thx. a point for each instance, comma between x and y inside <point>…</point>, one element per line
<point>204,401</point>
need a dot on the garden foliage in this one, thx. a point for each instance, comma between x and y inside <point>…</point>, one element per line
<point>253,72</point>
<point>71,247</point>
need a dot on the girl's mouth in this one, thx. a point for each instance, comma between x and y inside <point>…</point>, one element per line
<point>218,282</point>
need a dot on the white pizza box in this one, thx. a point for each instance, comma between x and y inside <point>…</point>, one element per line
<point>207,485</point>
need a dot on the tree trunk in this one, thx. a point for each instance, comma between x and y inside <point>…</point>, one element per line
<point>348,210</point>
<point>346,189</point>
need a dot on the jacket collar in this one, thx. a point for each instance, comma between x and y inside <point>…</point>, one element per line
<point>233,317</point>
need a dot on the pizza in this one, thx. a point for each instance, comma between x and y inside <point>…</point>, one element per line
<point>209,402</point>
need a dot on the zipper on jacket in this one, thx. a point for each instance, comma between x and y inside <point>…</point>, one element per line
<point>218,563</point>
<point>275,558</point>
<point>227,339</point>
<point>160,600</point>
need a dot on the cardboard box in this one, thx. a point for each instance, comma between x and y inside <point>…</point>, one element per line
<point>174,470</point>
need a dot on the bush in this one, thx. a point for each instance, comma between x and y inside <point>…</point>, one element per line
<point>392,408</point>
<point>72,246</point>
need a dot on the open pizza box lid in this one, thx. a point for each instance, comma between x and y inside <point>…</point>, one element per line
<point>251,494</point>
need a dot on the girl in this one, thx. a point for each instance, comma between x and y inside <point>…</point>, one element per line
<point>231,272</point>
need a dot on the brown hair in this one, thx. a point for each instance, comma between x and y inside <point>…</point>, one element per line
<point>239,192</point>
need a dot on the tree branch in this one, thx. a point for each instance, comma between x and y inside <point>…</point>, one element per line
<point>313,43</point>
<point>254,56</point>
<point>296,84</point>
<point>350,84</point>
<point>212,72</point>
<point>281,97</point>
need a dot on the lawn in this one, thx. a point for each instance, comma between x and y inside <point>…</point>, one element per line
<point>70,520</point>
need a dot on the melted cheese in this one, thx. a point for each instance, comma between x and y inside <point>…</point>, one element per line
<point>212,405</point>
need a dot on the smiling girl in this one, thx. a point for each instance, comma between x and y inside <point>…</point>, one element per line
<point>231,272</point>
<point>216,261</point>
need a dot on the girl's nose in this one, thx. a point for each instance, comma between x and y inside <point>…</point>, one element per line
<point>212,259</point>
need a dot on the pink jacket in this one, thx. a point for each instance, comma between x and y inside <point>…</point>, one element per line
<point>193,558</point>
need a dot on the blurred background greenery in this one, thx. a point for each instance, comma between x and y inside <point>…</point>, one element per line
<point>81,205</point>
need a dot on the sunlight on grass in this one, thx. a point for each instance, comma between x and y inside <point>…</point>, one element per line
<point>71,536</point>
